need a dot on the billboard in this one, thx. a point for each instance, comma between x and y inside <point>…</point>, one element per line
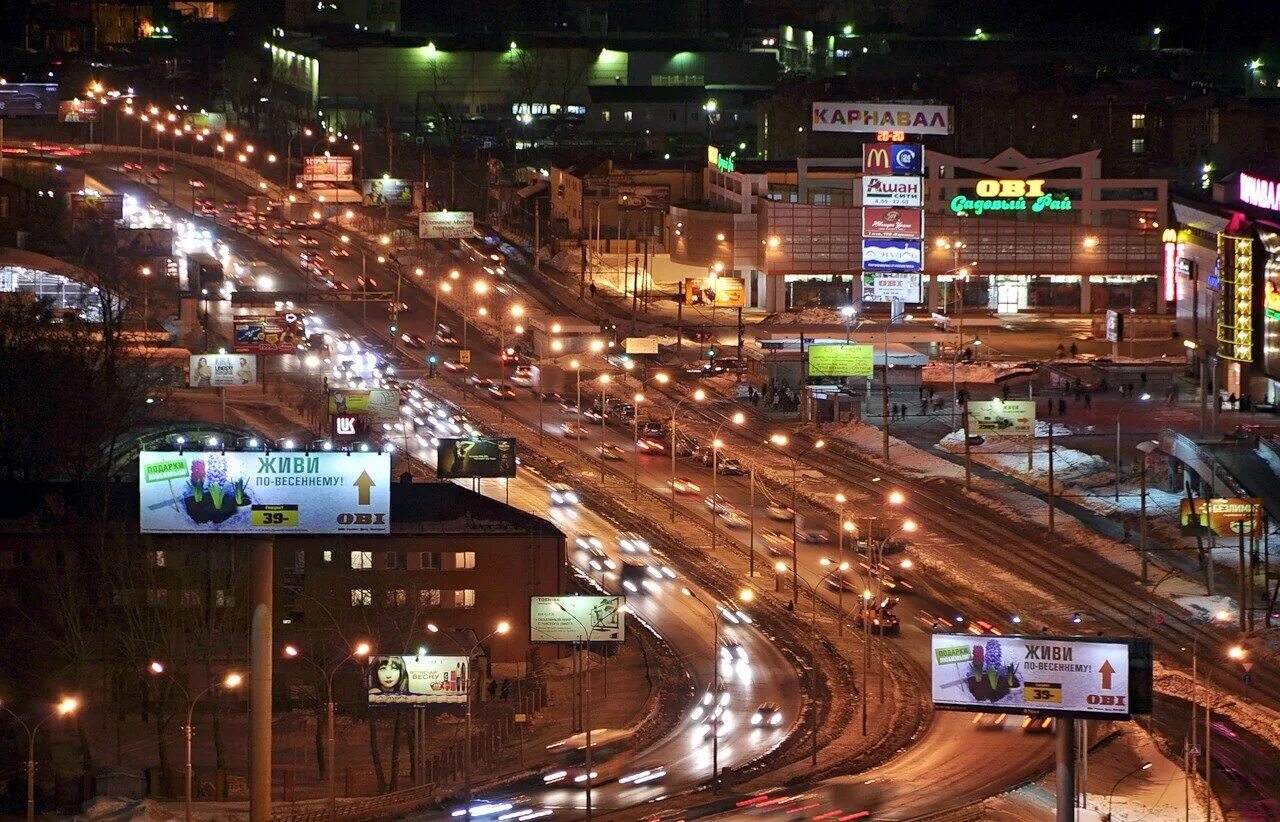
<point>892,223</point>
<point>476,457</point>
<point>883,288</point>
<point>1071,677</point>
<point>657,198</point>
<point>892,192</point>
<point>892,158</point>
<point>864,117</point>
<point>326,169</point>
<point>582,618</point>
<point>841,360</point>
<point>94,206</point>
<point>222,370</point>
<point>268,333</point>
<point>78,111</point>
<point>215,121</point>
<point>446,225</point>
<point>1002,418</point>
<point>410,679</point>
<point>256,492</point>
<point>375,403</point>
<point>144,242</point>
<point>28,99</point>
<point>385,191</point>
<point>892,255</point>
<point>1225,517</point>
<point>641,345</point>
<point>722,292</point>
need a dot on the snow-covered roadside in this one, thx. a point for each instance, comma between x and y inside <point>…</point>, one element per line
<point>972,373</point>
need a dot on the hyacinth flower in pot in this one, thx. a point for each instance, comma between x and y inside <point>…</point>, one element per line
<point>197,505</point>
<point>217,474</point>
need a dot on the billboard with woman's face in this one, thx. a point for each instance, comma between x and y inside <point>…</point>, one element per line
<point>410,679</point>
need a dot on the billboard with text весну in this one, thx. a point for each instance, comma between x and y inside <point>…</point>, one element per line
<point>841,360</point>
<point>412,679</point>
<point>254,492</point>
<point>577,619</point>
<point>1062,676</point>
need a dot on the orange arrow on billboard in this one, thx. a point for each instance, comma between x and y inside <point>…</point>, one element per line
<point>1106,670</point>
<point>365,482</point>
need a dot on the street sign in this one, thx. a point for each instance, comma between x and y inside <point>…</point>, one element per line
<point>464,356</point>
<point>1061,676</point>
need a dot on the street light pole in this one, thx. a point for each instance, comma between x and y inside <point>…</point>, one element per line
<point>503,627</point>
<point>586,635</point>
<point>67,706</point>
<point>715,688</point>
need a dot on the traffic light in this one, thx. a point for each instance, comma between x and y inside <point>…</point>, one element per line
<point>393,328</point>
<point>711,353</point>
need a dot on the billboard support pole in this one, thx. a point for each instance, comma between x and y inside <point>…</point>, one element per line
<point>1050,494</point>
<point>1244,580</point>
<point>260,659</point>
<point>968,463</point>
<point>1065,730</point>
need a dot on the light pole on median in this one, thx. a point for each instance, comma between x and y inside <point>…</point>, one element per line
<point>781,441</point>
<point>697,396</point>
<point>715,687</point>
<point>446,286</point>
<point>231,680</point>
<point>361,650</point>
<point>603,380</point>
<point>67,706</point>
<point>502,628</point>
<point>1112,793</point>
<point>718,508</point>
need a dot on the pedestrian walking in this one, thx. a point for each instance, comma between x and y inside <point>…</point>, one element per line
<point>1129,387</point>
<point>493,689</point>
<point>1004,391</point>
<point>921,392</point>
<point>1048,408</point>
<point>931,392</point>
<point>592,288</point>
<point>1075,350</point>
<point>1062,408</point>
<point>1088,400</point>
<point>506,689</point>
<point>923,406</point>
<point>1231,400</point>
<point>1143,377</point>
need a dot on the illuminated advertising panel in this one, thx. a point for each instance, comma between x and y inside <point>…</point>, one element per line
<point>866,117</point>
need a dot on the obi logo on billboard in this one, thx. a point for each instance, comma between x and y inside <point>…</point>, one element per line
<point>892,255</point>
<point>1009,195</point>
<point>892,158</point>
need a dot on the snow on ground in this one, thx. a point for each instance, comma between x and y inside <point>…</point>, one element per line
<point>983,372</point>
<point>903,455</point>
<point>807,316</point>
<point>1206,608</point>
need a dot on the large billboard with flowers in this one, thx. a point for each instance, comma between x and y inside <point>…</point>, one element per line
<point>256,492</point>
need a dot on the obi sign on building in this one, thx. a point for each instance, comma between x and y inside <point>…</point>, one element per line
<point>1009,195</point>
<point>863,117</point>
<point>253,492</point>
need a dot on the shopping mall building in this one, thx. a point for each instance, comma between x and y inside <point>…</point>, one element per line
<point>1074,242</point>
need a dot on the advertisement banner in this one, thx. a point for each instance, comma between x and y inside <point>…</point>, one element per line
<point>722,292</point>
<point>577,619</point>
<point>657,198</point>
<point>144,242</point>
<point>892,158</point>
<point>382,404</point>
<point>410,679</point>
<point>883,288</point>
<point>78,111</point>
<point>1002,418</point>
<point>862,117</point>
<point>841,360</point>
<point>640,345</point>
<point>892,192</point>
<point>1115,326</point>
<point>96,206</point>
<point>892,255</point>
<point>1225,517</point>
<point>326,169</point>
<point>893,223</point>
<point>385,191</point>
<point>222,370</point>
<point>28,99</point>
<point>214,121</point>
<point>253,492</point>
<point>476,457</point>
<point>1032,674</point>
<point>278,333</point>
<point>446,225</point>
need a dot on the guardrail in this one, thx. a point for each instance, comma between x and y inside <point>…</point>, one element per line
<point>1200,460</point>
<point>370,807</point>
<point>234,171</point>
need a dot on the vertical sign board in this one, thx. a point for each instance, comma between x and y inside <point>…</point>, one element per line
<point>883,288</point>
<point>892,192</point>
<point>577,618</point>
<point>253,492</point>
<point>409,679</point>
<point>1060,676</point>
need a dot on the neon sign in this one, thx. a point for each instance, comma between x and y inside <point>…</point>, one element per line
<point>1009,195</point>
<point>1259,192</point>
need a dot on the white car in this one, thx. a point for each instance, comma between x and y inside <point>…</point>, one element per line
<point>562,494</point>
<point>632,543</point>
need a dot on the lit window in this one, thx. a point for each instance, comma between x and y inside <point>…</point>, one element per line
<point>1139,121</point>
<point>465,598</point>
<point>362,560</point>
<point>397,597</point>
<point>224,599</point>
<point>328,556</point>
<point>628,116</point>
<point>157,559</point>
<point>361,597</point>
<point>606,115</point>
<point>429,598</point>
<point>1138,145</point>
<point>464,559</point>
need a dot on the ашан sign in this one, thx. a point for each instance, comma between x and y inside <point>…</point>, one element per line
<point>873,117</point>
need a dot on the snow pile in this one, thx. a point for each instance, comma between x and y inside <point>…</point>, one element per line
<point>123,810</point>
<point>1008,455</point>
<point>1204,608</point>
<point>806,316</point>
<point>903,456</point>
<point>971,373</point>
